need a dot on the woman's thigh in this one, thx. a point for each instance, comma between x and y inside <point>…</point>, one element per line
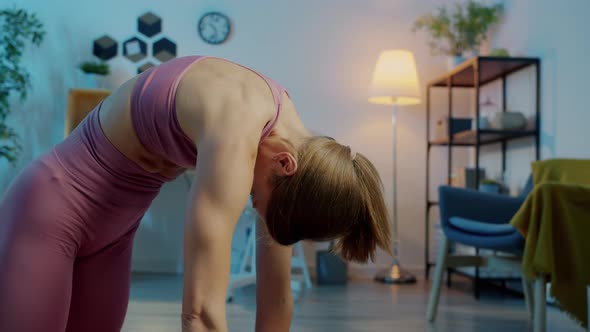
<point>35,284</point>
<point>36,259</point>
<point>100,291</point>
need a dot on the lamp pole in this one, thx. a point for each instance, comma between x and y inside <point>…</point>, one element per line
<point>395,82</point>
<point>394,274</point>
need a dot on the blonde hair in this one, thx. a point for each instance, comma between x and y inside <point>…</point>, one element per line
<point>333,195</point>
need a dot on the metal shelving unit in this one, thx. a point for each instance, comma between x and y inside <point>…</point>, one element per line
<point>473,74</point>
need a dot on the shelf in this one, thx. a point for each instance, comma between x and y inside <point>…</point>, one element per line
<point>486,136</point>
<point>491,68</point>
<point>470,275</point>
<point>483,276</point>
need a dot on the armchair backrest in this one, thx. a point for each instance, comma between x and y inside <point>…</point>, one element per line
<point>528,187</point>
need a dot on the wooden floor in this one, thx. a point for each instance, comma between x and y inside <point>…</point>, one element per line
<point>362,305</point>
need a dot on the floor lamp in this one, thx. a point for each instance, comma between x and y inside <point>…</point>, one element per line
<point>394,83</point>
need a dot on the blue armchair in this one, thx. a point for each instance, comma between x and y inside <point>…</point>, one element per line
<point>481,220</point>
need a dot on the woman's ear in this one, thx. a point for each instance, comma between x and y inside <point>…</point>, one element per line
<point>285,163</point>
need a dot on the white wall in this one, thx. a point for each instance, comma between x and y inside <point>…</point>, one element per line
<point>323,52</point>
<point>558,33</point>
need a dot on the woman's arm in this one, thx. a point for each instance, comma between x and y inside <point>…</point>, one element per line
<point>230,102</point>
<point>223,180</point>
<point>274,302</point>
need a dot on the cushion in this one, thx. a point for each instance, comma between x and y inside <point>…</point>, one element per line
<point>481,227</point>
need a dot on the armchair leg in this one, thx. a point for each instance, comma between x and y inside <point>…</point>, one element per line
<point>540,307</point>
<point>441,262</point>
<point>476,281</point>
<point>528,296</point>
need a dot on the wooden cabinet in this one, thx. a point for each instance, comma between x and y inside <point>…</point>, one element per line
<point>80,103</point>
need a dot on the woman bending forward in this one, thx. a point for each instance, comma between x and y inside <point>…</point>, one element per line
<point>67,221</point>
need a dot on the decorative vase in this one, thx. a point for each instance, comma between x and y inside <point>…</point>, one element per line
<point>484,122</point>
<point>90,81</point>
<point>489,188</point>
<point>487,109</point>
<point>331,269</point>
<point>454,60</point>
<point>508,121</point>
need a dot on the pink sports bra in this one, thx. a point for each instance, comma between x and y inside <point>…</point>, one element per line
<point>154,117</point>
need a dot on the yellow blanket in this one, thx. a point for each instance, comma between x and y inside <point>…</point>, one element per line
<point>555,220</point>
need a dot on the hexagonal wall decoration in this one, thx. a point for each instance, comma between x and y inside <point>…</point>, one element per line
<point>164,50</point>
<point>134,49</point>
<point>149,24</point>
<point>105,48</point>
<point>145,67</point>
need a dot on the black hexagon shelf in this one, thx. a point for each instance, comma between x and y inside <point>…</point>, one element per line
<point>145,67</point>
<point>164,50</point>
<point>134,49</point>
<point>105,48</point>
<point>149,24</point>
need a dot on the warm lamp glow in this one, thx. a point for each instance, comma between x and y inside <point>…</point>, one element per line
<point>395,81</point>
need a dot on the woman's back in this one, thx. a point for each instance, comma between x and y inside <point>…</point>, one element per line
<point>156,119</point>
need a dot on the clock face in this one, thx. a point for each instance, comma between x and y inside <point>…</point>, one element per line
<point>214,28</point>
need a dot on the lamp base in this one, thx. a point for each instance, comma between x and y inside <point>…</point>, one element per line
<point>395,275</point>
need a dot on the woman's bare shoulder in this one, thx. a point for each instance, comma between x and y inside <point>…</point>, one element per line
<point>215,94</point>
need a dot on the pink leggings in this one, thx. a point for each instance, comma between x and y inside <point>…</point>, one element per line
<point>66,229</point>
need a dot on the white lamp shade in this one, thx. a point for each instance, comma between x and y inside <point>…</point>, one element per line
<point>395,80</point>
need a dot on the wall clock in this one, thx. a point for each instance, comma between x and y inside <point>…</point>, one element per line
<point>214,27</point>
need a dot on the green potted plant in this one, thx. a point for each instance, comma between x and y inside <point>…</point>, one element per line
<point>458,33</point>
<point>18,28</point>
<point>92,70</point>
